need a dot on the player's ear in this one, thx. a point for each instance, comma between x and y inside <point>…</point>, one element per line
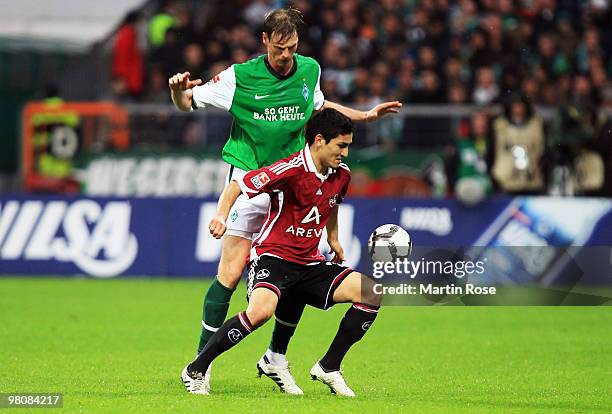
<point>319,140</point>
<point>264,38</point>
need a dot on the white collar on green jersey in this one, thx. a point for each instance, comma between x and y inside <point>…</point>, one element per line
<point>310,166</point>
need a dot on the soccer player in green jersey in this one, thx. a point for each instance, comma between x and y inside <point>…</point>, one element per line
<point>270,99</point>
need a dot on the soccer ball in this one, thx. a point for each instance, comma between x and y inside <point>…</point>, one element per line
<point>388,243</point>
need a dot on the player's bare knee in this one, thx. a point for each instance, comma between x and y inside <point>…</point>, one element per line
<point>233,260</point>
<point>369,294</point>
<point>229,278</point>
<point>258,315</point>
<point>262,305</point>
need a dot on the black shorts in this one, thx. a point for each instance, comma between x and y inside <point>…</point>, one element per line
<point>313,284</point>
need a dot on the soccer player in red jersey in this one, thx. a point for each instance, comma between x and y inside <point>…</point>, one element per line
<point>286,265</point>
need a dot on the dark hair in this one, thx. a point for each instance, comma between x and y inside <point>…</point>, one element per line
<point>132,17</point>
<point>513,98</point>
<point>329,123</point>
<point>284,22</point>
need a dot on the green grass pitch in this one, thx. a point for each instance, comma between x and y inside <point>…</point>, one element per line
<point>118,346</point>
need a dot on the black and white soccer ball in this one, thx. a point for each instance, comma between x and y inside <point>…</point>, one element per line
<point>388,243</point>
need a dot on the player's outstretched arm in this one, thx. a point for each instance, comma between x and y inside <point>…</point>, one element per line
<point>228,197</point>
<point>180,90</point>
<point>373,114</point>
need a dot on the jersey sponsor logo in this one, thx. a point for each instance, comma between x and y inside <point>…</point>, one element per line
<point>96,239</point>
<point>258,97</point>
<point>313,215</point>
<point>260,180</point>
<point>282,113</point>
<point>302,232</point>
<point>433,219</point>
<point>234,335</point>
<point>262,274</point>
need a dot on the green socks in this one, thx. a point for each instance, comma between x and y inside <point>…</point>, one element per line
<point>283,332</point>
<point>214,311</point>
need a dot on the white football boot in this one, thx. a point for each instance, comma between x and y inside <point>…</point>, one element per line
<point>196,383</point>
<point>279,374</point>
<point>333,380</point>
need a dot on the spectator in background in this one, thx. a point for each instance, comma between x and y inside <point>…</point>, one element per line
<point>530,88</point>
<point>378,90</point>
<point>340,72</point>
<point>557,53</point>
<point>468,165</point>
<point>255,12</point>
<point>239,55</point>
<point>578,117</point>
<point>215,51</point>
<point>478,50</point>
<point>602,144</point>
<point>193,60</point>
<point>406,87</point>
<point>588,47</point>
<point>454,71</point>
<point>456,93</point>
<point>486,90</point>
<point>464,17</point>
<point>169,56</point>
<point>549,59</point>
<point>427,59</point>
<point>518,148</point>
<point>571,133</point>
<point>567,40</point>
<point>360,86</point>
<point>157,91</point>
<point>128,68</point>
<point>492,25</point>
<point>184,26</point>
<point>430,90</point>
<point>548,96</point>
<point>597,72</point>
<point>163,20</point>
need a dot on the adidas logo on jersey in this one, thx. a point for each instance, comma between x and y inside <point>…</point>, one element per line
<point>319,192</point>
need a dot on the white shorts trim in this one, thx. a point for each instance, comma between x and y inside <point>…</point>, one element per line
<point>239,233</point>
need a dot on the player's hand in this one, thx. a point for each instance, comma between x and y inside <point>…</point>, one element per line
<point>337,250</point>
<point>181,82</point>
<point>382,109</point>
<point>217,227</point>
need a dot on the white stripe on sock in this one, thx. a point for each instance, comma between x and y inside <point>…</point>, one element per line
<point>209,328</point>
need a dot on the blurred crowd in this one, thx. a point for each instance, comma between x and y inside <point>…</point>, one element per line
<point>554,54</point>
<point>436,51</point>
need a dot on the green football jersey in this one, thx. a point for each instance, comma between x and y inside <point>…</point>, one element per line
<point>269,111</point>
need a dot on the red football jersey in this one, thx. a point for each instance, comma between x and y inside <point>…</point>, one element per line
<point>301,200</point>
